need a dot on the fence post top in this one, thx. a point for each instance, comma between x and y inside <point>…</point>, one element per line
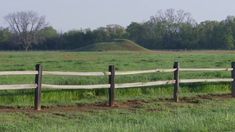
<point>111,67</point>
<point>176,64</point>
<point>233,64</point>
<point>38,65</point>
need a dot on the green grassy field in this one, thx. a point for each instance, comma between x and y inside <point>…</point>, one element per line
<point>99,61</point>
<point>211,114</point>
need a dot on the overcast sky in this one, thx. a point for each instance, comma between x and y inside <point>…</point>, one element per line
<point>66,15</point>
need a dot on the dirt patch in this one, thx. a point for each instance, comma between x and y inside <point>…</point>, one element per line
<point>197,98</point>
<point>132,103</point>
<point>129,104</point>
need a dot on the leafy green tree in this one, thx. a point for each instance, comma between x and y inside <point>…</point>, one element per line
<point>5,37</point>
<point>229,41</point>
<point>50,39</point>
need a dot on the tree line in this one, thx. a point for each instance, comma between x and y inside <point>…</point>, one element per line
<point>168,29</point>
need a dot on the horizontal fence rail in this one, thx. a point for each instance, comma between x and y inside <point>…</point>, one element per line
<point>17,86</point>
<point>206,69</point>
<point>144,84</point>
<point>205,80</point>
<point>98,86</point>
<point>18,72</point>
<point>61,73</point>
<point>111,86</point>
<point>136,84</point>
<point>143,71</point>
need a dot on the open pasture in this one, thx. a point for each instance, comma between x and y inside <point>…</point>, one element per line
<point>136,108</point>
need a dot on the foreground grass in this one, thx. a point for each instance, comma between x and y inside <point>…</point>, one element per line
<point>211,114</point>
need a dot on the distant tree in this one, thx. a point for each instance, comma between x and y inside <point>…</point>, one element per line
<point>5,37</point>
<point>139,33</point>
<point>169,29</point>
<point>210,35</point>
<point>228,41</point>
<point>115,31</point>
<point>49,39</point>
<point>48,32</point>
<point>101,34</point>
<point>110,32</point>
<point>134,30</point>
<point>72,39</point>
<point>26,26</point>
<point>172,16</point>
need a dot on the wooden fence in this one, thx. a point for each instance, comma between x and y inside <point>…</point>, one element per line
<point>112,85</point>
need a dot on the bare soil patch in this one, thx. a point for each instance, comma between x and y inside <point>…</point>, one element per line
<point>129,104</point>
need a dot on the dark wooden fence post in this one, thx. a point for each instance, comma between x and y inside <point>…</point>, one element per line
<point>233,82</point>
<point>38,82</point>
<point>112,85</point>
<point>176,85</point>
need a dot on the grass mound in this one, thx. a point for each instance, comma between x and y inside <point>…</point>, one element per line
<point>115,45</point>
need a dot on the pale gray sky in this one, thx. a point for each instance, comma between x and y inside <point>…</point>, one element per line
<point>65,15</point>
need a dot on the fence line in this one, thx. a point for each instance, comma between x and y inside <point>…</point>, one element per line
<point>100,86</point>
<point>112,85</point>
<point>60,73</point>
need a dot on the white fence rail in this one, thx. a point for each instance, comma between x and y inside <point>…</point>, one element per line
<point>135,85</point>
<point>60,73</point>
<point>17,86</point>
<point>18,73</point>
<point>205,69</point>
